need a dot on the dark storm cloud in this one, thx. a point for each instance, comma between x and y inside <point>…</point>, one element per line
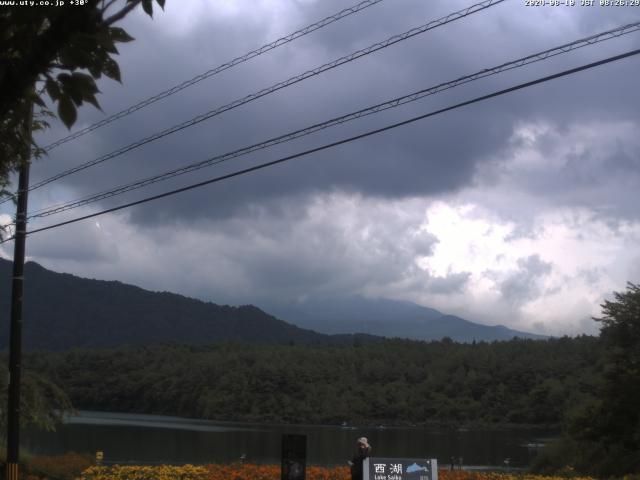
<point>428,158</point>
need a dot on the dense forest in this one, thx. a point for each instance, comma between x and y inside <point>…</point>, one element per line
<point>62,311</point>
<point>392,382</point>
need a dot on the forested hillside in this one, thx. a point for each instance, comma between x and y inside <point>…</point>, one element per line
<point>392,382</point>
<point>63,311</point>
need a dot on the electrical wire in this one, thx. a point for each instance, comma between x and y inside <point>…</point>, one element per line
<point>520,62</point>
<point>344,141</point>
<point>214,71</point>
<point>278,86</point>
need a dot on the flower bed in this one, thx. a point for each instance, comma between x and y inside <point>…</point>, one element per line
<point>267,472</point>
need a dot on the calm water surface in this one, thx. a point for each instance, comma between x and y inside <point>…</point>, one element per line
<point>160,439</point>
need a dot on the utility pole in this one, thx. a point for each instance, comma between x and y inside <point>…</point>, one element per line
<point>15,339</point>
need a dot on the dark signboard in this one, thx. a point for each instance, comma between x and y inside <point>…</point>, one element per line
<point>379,468</point>
<point>294,457</point>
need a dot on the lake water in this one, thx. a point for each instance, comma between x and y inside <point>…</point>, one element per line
<point>154,439</point>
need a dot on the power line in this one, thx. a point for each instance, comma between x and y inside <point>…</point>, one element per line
<point>540,56</point>
<point>220,68</point>
<point>278,86</point>
<point>343,141</point>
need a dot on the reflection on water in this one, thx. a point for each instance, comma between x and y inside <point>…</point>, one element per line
<point>160,439</point>
<point>154,421</point>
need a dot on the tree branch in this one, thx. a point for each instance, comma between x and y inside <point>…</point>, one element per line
<point>60,66</point>
<point>108,5</point>
<point>122,13</point>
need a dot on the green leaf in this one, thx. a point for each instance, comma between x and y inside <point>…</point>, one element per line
<point>53,90</point>
<point>111,69</point>
<point>105,40</point>
<point>67,88</point>
<point>64,78</point>
<point>39,125</point>
<point>84,82</point>
<point>147,6</point>
<point>76,96</point>
<point>94,71</point>
<point>65,58</point>
<point>86,86</point>
<point>93,101</point>
<point>119,35</point>
<point>70,88</point>
<point>98,58</point>
<point>38,101</point>
<point>67,111</point>
<point>75,56</point>
<point>161,3</point>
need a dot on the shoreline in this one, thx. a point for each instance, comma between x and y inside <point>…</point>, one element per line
<point>92,417</point>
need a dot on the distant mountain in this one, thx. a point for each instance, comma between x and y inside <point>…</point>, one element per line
<point>63,311</point>
<point>388,318</point>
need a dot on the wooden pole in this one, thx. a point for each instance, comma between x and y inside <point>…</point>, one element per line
<point>15,339</point>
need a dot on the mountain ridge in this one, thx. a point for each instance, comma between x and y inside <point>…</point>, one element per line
<point>62,311</point>
<point>389,318</point>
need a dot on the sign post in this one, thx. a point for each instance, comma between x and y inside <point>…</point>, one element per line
<point>381,468</point>
<point>294,457</point>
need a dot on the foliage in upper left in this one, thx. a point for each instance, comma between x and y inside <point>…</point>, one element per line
<point>60,52</point>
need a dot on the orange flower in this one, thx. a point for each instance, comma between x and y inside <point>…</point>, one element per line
<point>248,471</point>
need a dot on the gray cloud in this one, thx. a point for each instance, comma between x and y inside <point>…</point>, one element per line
<point>433,157</point>
<point>453,283</point>
<point>77,245</point>
<point>522,285</point>
<point>324,248</point>
<point>592,275</point>
<point>634,270</point>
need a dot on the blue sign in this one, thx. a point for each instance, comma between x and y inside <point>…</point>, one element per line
<point>379,468</point>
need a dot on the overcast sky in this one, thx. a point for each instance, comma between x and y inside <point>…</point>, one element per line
<point>521,210</point>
